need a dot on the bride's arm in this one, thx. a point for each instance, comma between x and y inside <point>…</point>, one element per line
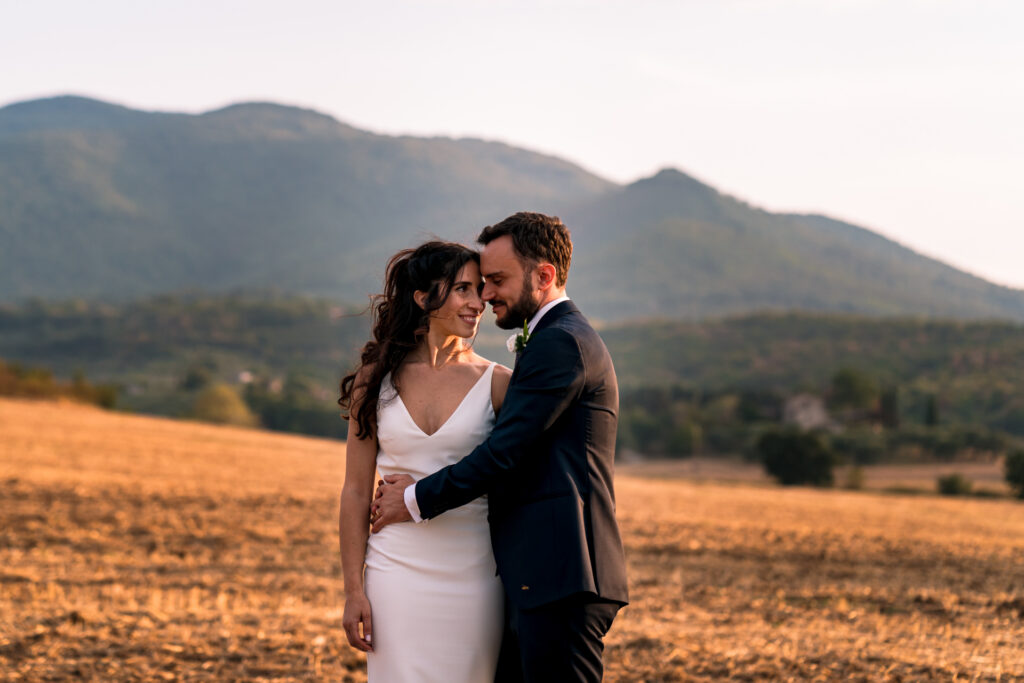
<point>353,531</point>
<point>499,385</point>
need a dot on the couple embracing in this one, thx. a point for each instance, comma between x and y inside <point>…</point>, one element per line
<point>494,553</point>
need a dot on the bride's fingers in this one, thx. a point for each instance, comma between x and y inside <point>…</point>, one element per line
<point>352,634</point>
<point>368,630</point>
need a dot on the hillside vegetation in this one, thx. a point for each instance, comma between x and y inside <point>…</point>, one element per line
<point>975,368</point>
<point>725,377</point>
<point>104,202</point>
<point>674,247</point>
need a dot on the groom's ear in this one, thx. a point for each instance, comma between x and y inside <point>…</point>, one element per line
<point>546,274</point>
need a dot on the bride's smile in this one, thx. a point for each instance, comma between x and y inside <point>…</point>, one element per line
<point>459,315</point>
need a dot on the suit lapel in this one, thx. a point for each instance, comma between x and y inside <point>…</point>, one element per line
<point>564,308</point>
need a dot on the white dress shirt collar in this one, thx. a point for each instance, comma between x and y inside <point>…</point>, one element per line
<point>540,314</point>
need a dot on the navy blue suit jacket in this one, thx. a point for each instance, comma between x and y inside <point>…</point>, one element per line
<point>547,469</point>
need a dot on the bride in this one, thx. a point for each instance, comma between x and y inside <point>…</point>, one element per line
<point>422,600</point>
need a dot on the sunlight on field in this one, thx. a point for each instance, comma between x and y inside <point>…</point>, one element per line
<point>136,548</point>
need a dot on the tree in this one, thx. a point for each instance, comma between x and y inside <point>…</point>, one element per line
<point>221,404</point>
<point>296,407</point>
<point>1014,469</point>
<point>795,457</point>
<point>685,439</point>
<point>196,377</point>
<point>931,411</point>
<point>889,408</point>
<point>853,389</point>
<point>954,484</point>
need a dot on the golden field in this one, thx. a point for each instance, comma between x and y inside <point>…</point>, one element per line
<point>136,548</point>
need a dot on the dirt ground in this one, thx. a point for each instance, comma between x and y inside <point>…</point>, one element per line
<point>135,548</point>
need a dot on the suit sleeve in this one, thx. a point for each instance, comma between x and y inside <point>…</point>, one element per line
<point>548,378</point>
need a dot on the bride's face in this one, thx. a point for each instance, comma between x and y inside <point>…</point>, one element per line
<point>459,315</point>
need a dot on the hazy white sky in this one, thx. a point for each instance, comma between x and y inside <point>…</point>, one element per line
<point>900,115</point>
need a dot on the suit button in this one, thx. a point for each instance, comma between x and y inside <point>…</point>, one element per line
<point>524,587</point>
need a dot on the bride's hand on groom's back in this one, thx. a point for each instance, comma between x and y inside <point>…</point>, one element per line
<point>357,611</point>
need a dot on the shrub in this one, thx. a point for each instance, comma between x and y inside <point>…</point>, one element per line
<point>221,404</point>
<point>16,380</point>
<point>854,480</point>
<point>1014,469</point>
<point>685,439</point>
<point>795,457</point>
<point>954,484</point>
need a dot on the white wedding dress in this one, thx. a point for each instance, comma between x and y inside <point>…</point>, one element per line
<point>436,604</point>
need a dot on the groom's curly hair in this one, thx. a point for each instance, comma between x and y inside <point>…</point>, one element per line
<point>537,238</point>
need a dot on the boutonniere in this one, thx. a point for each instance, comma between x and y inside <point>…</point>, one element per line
<point>517,342</point>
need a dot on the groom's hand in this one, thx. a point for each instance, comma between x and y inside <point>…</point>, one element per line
<point>389,502</point>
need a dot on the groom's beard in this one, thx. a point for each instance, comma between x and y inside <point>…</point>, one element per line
<point>520,311</point>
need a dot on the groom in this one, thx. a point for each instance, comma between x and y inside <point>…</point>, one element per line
<point>546,467</point>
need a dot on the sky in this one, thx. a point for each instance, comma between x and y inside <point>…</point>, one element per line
<point>903,116</point>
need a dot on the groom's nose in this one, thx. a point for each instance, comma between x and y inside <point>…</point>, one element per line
<point>487,293</point>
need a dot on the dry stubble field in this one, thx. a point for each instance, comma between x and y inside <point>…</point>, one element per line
<point>134,548</point>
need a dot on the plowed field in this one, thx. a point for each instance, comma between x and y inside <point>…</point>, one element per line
<point>136,548</point>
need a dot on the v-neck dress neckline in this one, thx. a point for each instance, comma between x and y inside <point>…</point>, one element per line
<point>486,375</point>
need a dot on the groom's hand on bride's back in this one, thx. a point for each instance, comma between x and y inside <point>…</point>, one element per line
<point>389,502</point>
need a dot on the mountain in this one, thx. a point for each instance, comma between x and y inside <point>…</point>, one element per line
<point>698,253</point>
<point>97,200</point>
<point>101,201</point>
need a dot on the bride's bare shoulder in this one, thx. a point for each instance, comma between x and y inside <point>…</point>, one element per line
<point>499,369</point>
<point>499,385</point>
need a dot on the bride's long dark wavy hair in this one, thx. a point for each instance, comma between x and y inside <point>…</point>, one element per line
<point>399,323</point>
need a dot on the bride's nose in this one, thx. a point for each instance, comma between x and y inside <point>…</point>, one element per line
<point>476,304</point>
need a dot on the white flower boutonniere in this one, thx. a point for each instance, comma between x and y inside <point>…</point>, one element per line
<point>517,342</point>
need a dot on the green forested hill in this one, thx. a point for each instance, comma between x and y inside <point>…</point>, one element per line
<point>800,350</point>
<point>975,370</point>
<point>103,202</point>
<point>671,246</point>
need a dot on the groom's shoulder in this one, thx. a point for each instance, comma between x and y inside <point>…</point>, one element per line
<point>573,320</point>
<point>574,324</point>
